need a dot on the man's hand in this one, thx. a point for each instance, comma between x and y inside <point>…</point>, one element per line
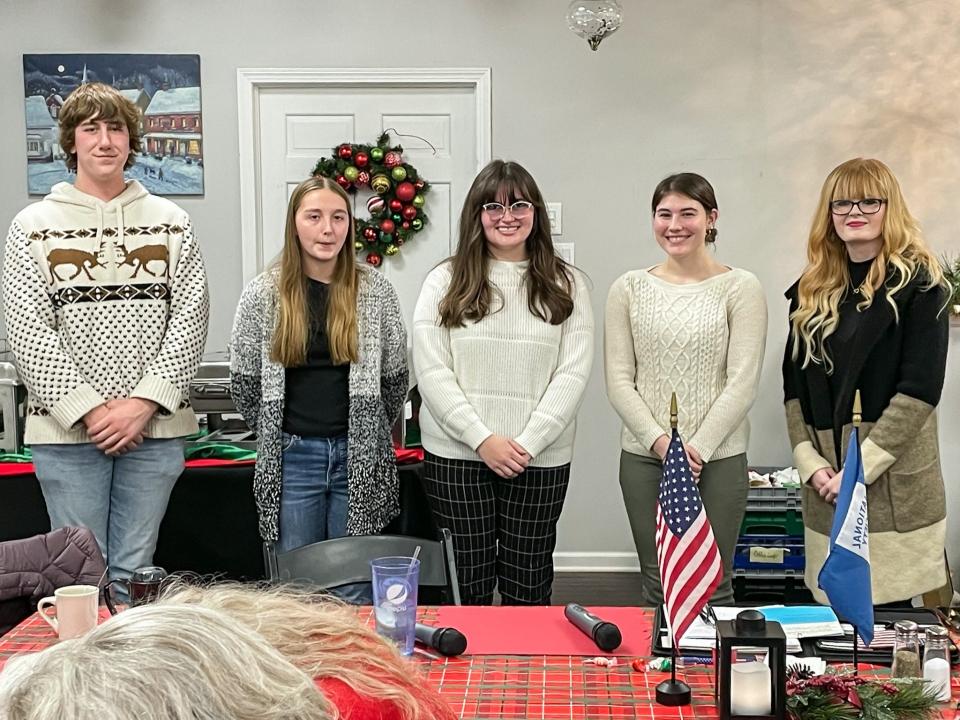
<point>504,456</point>
<point>117,426</point>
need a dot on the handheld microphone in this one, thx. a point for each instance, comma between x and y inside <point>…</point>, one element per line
<point>606,635</point>
<point>445,640</point>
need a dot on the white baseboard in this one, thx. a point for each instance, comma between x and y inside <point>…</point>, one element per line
<point>596,562</point>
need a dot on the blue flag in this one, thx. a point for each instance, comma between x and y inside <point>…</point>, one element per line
<point>845,575</point>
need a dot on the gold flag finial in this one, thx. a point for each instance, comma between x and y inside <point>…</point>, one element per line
<point>673,411</point>
<point>857,409</point>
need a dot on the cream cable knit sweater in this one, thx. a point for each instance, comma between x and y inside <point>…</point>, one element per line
<point>511,373</point>
<point>704,341</point>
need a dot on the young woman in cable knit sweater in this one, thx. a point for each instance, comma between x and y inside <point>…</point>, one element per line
<point>503,344</point>
<point>693,326</point>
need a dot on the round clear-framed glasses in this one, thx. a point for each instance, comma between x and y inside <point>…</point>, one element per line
<point>867,206</point>
<point>520,209</point>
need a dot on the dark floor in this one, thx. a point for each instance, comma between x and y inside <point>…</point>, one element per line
<point>597,588</point>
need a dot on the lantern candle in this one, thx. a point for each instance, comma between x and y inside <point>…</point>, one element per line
<point>749,688</point>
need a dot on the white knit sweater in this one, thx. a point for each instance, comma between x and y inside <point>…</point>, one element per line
<point>703,341</point>
<point>509,374</point>
<point>104,300</point>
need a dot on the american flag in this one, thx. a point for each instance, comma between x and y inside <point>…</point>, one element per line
<point>690,567</point>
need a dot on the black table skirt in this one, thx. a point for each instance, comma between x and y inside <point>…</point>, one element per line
<point>211,522</point>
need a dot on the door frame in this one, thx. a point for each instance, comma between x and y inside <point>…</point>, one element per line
<point>251,81</point>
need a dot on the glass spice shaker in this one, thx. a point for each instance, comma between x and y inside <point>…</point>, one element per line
<point>936,661</point>
<point>906,650</point>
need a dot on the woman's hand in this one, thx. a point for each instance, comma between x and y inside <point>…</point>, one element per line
<point>696,462</point>
<point>826,481</point>
<point>504,456</point>
<point>660,446</point>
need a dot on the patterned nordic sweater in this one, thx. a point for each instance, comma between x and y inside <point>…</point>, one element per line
<point>704,340</point>
<point>104,300</point>
<point>378,389</point>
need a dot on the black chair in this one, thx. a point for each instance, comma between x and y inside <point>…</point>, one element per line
<point>342,561</point>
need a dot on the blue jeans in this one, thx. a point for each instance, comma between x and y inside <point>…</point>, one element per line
<point>121,499</point>
<point>314,498</point>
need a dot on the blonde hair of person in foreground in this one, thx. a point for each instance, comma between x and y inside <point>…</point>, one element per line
<point>323,638</point>
<point>161,662</point>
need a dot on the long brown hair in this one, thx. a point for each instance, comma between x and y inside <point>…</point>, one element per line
<point>827,277</point>
<point>293,323</point>
<point>549,280</point>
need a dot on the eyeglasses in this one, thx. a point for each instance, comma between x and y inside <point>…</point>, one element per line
<point>867,206</point>
<point>520,209</point>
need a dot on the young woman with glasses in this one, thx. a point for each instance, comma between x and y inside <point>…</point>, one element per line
<point>318,367</point>
<point>868,313</point>
<point>693,326</point>
<point>503,343</point>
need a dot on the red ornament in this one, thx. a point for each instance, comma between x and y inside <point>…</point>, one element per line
<point>343,182</point>
<point>419,184</point>
<point>345,152</point>
<point>374,258</point>
<point>363,178</point>
<point>370,233</point>
<point>396,205</point>
<point>387,226</point>
<point>406,191</point>
<point>409,212</point>
<point>361,159</point>
<point>406,225</point>
<point>392,159</point>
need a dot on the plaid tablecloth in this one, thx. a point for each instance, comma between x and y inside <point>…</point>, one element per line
<point>511,687</point>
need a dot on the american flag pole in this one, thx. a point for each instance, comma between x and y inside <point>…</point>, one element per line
<point>674,421</point>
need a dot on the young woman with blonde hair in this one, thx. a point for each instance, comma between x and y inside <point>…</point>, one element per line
<point>868,313</point>
<point>503,343</point>
<point>697,327</point>
<point>318,369</point>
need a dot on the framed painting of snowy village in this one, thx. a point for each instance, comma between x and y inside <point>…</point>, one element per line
<point>166,88</point>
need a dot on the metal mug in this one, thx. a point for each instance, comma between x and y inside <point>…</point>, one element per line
<point>143,586</point>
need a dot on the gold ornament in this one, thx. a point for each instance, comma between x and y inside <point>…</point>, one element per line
<point>380,184</point>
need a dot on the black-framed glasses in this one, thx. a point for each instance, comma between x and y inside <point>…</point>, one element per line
<point>867,206</point>
<point>520,209</point>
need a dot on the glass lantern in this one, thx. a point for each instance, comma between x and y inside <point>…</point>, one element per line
<point>593,20</point>
<point>745,685</point>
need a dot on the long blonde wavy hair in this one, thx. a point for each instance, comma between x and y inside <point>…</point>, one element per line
<point>293,323</point>
<point>826,278</point>
<point>324,638</point>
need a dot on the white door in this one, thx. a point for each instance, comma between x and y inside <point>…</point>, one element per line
<point>296,125</point>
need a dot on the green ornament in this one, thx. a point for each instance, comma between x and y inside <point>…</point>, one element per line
<point>397,218</point>
<point>399,173</point>
<point>419,201</point>
<point>416,224</point>
<point>376,154</point>
<point>391,250</point>
<point>386,238</point>
<point>357,245</point>
<point>351,173</point>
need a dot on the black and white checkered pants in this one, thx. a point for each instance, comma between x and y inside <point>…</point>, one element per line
<point>504,530</point>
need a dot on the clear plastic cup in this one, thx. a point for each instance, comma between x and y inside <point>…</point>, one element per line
<point>395,583</point>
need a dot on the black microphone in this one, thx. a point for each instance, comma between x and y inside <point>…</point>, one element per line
<point>606,635</point>
<point>445,640</point>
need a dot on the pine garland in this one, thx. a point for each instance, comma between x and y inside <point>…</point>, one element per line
<point>848,697</point>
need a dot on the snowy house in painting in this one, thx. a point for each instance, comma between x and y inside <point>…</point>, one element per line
<point>42,132</point>
<point>172,123</point>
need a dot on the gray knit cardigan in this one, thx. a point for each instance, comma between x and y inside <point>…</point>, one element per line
<point>378,387</point>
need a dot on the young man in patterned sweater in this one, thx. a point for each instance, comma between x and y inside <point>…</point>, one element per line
<point>105,301</point>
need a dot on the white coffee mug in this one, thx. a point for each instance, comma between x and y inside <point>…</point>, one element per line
<point>76,610</point>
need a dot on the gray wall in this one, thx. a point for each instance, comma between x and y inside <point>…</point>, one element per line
<point>764,97</point>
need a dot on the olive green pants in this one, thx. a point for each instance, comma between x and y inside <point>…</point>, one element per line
<point>723,487</point>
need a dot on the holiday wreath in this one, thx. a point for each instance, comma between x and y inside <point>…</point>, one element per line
<point>396,208</point>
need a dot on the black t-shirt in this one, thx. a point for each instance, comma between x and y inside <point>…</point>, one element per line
<point>318,392</point>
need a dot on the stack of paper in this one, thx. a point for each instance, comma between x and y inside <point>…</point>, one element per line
<point>798,621</point>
